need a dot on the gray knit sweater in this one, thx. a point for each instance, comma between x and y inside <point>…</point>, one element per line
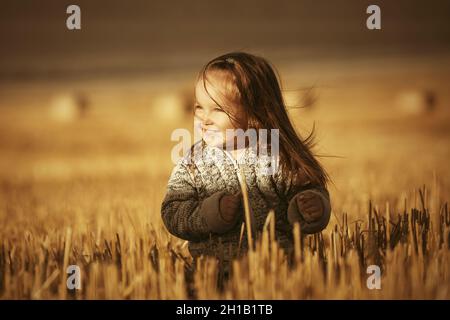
<point>190,209</point>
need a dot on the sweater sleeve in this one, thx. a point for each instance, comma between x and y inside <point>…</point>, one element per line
<point>295,215</point>
<point>292,191</point>
<point>184,215</point>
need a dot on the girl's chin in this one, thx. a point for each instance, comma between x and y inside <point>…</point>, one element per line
<point>213,141</point>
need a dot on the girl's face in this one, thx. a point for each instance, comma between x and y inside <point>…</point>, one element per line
<point>210,119</point>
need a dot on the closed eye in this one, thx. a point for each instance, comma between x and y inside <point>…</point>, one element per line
<point>199,108</point>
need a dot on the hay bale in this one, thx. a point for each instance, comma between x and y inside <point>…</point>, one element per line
<point>68,107</point>
<point>170,107</point>
<point>301,98</point>
<point>416,102</point>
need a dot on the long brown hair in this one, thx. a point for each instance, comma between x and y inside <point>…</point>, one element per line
<point>258,91</point>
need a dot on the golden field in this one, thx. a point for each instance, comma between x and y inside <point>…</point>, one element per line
<point>87,191</point>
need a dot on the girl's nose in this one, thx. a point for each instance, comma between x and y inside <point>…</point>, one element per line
<point>207,119</point>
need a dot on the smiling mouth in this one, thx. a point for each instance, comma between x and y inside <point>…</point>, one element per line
<point>209,131</point>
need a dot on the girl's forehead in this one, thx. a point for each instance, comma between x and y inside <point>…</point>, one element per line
<point>219,87</point>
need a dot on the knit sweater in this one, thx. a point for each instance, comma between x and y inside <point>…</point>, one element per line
<point>190,209</point>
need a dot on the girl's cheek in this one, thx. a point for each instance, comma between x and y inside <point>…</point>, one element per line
<point>224,123</point>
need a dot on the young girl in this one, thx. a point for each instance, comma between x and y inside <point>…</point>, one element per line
<point>203,203</point>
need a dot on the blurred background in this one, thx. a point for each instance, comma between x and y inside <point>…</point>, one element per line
<point>86,118</point>
<point>100,103</point>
